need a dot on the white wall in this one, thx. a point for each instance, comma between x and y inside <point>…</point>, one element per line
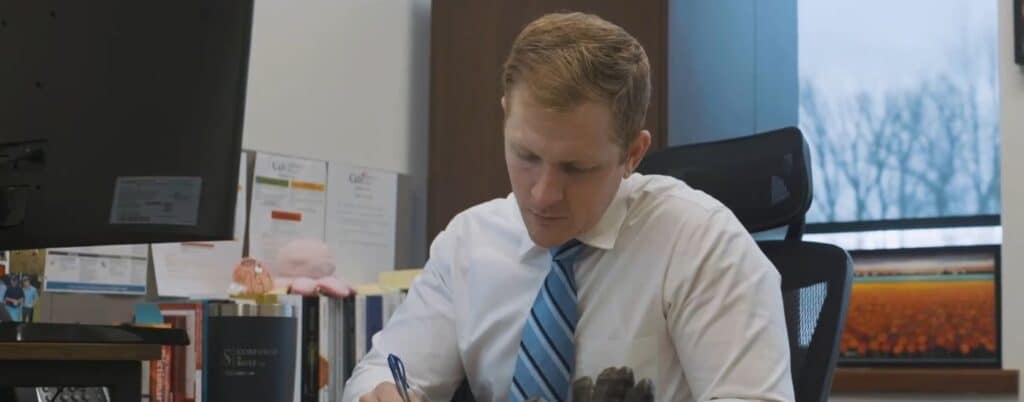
<point>1011,79</point>
<point>344,81</point>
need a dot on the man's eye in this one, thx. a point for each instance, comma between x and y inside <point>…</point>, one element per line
<point>577,169</point>
<point>529,157</point>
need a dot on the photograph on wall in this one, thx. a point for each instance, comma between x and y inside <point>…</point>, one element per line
<point>923,307</point>
<point>21,293</point>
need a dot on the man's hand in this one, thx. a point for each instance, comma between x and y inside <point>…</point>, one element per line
<point>387,392</point>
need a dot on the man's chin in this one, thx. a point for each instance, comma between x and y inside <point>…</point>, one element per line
<point>548,240</point>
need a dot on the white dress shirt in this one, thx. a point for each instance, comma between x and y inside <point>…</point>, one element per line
<point>671,285</point>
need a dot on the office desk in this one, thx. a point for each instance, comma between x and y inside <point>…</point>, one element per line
<point>115,366</point>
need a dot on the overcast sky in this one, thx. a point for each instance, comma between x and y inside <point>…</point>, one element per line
<point>863,43</point>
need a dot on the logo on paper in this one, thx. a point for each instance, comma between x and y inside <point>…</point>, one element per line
<point>360,178</point>
<point>286,167</point>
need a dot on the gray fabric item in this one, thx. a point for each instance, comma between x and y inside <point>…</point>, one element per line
<point>614,384</point>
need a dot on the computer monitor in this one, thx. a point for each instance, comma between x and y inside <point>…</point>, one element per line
<point>120,120</point>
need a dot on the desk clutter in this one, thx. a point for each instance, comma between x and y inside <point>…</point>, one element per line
<point>280,347</point>
<point>358,215</point>
<point>238,299</point>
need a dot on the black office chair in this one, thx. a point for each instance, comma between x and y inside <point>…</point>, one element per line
<point>765,179</point>
<point>816,282</point>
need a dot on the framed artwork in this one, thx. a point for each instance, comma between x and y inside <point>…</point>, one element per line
<point>924,307</point>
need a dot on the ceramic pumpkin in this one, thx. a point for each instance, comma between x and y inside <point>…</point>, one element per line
<point>251,278</point>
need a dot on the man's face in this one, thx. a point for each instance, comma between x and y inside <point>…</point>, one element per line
<point>564,167</point>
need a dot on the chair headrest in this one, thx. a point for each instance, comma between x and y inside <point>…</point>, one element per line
<point>765,178</point>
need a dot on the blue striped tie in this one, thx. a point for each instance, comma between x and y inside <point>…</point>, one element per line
<point>547,354</point>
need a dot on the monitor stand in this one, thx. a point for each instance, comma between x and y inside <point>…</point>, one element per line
<point>75,355</point>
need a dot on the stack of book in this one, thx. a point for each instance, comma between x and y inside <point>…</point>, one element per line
<point>333,334</point>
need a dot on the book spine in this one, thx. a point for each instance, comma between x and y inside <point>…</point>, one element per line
<point>160,376</point>
<point>360,328</point>
<point>204,376</point>
<point>349,337</point>
<point>198,342</point>
<point>374,318</point>
<point>325,382</point>
<point>190,317</point>
<point>338,358</point>
<point>310,339</point>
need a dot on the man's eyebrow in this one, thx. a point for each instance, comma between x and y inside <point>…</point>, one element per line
<point>578,163</point>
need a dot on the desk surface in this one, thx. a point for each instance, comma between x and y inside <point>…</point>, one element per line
<point>77,351</point>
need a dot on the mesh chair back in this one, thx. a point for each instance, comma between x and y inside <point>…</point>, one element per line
<point>816,280</point>
<point>765,179</point>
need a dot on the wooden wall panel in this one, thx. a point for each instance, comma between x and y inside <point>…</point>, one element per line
<point>469,42</point>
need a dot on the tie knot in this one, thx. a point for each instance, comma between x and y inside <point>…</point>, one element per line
<point>567,252</point>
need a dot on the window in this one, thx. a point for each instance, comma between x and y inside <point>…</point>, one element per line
<point>899,101</point>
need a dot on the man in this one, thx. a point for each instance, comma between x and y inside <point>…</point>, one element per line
<point>14,297</point>
<point>31,296</point>
<point>586,265</point>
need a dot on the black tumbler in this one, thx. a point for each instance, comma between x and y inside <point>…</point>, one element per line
<point>251,353</point>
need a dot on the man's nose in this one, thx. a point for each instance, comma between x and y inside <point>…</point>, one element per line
<point>549,189</point>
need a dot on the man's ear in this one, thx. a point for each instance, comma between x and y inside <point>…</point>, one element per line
<point>504,105</point>
<point>636,151</point>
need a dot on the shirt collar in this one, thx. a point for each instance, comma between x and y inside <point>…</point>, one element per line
<point>602,236</point>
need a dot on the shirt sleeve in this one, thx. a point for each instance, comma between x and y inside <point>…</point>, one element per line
<point>723,305</point>
<point>421,332</point>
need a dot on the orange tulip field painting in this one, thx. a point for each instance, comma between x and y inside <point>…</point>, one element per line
<point>927,307</point>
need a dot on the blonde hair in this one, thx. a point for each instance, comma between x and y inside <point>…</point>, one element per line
<point>567,59</point>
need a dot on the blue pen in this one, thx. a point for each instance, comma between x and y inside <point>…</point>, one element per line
<point>398,372</point>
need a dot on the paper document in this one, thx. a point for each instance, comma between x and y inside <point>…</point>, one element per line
<point>288,202</point>
<point>362,214</point>
<point>101,269</point>
<point>202,269</point>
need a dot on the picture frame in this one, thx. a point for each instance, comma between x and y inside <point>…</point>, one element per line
<point>924,307</point>
<point>1018,31</point>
